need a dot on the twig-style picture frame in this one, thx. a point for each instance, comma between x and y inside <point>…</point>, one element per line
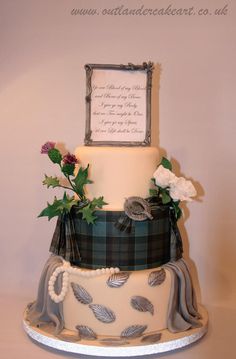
<point>118,104</point>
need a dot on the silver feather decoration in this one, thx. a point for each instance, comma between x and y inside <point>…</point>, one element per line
<point>156,277</point>
<point>134,331</point>
<point>116,280</point>
<point>102,313</point>
<point>112,342</point>
<point>142,304</point>
<point>68,337</point>
<point>151,338</point>
<point>86,332</point>
<point>81,294</point>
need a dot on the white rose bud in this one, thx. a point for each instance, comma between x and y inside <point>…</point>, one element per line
<point>182,190</point>
<point>163,177</point>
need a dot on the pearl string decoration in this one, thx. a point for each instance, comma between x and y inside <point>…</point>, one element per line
<point>66,269</point>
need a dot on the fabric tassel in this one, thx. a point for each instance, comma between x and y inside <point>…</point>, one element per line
<point>64,241</point>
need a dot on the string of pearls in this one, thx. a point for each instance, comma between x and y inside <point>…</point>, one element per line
<point>66,269</point>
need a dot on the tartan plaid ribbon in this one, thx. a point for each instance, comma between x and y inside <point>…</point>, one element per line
<point>148,244</point>
<point>176,244</point>
<point>64,241</point>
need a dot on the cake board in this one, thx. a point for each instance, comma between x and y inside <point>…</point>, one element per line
<point>112,347</point>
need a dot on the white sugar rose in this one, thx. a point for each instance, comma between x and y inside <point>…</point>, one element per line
<point>182,190</point>
<point>163,177</point>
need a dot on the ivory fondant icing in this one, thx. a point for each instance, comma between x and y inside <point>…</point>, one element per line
<point>134,302</point>
<point>108,303</point>
<point>118,172</point>
<point>141,306</point>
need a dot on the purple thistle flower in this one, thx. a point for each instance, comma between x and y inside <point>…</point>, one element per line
<point>47,146</point>
<point>70,159</point>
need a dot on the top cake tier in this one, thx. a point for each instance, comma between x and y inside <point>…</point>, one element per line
<point>118,172</point>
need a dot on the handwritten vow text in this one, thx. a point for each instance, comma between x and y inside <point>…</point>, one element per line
<point>118,111</point>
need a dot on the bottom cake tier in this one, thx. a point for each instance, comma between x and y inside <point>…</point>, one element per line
<point>112,303</point>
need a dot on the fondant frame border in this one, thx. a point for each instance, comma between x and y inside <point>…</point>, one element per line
<point>175,341</point>
<point>146,67</point>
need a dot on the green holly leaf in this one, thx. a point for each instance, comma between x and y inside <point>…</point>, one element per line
<point>68,169</point>
<point>87,214</point>
<point>51,181</point>
<point>58,206</point>
<point>67,203</point>
<point>166,163</point>
<point>98,202</point>
<point>80,180</point>
<point>88,210</point>
<point>52,210</point>
<point>165,196</point>
<point>55,155</point>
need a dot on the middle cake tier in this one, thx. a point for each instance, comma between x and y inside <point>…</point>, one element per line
<point>147,244</point>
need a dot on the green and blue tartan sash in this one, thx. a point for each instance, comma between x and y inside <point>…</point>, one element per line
<point>148,243</point>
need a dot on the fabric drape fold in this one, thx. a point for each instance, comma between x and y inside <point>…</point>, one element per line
<point>44,310</point>
<point>182,310</point>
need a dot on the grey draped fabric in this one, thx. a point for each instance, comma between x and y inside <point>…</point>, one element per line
<point>182,311</point>
<point>44,310</point>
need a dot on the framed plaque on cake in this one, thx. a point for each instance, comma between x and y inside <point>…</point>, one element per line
<point>118,104</point>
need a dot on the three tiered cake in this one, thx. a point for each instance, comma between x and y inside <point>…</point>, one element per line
<point>116,277</point>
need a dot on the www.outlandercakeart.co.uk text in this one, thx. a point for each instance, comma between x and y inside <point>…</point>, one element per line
<point>142,10</point>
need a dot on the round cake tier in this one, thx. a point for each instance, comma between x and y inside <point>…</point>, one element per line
<point>122,305</point>
<point>117,241</point>
<point>118,172</point>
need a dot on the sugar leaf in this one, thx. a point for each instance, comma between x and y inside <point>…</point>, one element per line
<point>87,214</point>
<point>67,202</point>
<point>52,210</point>
<point>80,180</point>
<point>166,163</point>
<point>165,196</point>
<point>51,181</point>
<point>58,206</point>
<point>153,192</point>
<point>98,202</point>
<point>153,180</point>
<point>177,209</point>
